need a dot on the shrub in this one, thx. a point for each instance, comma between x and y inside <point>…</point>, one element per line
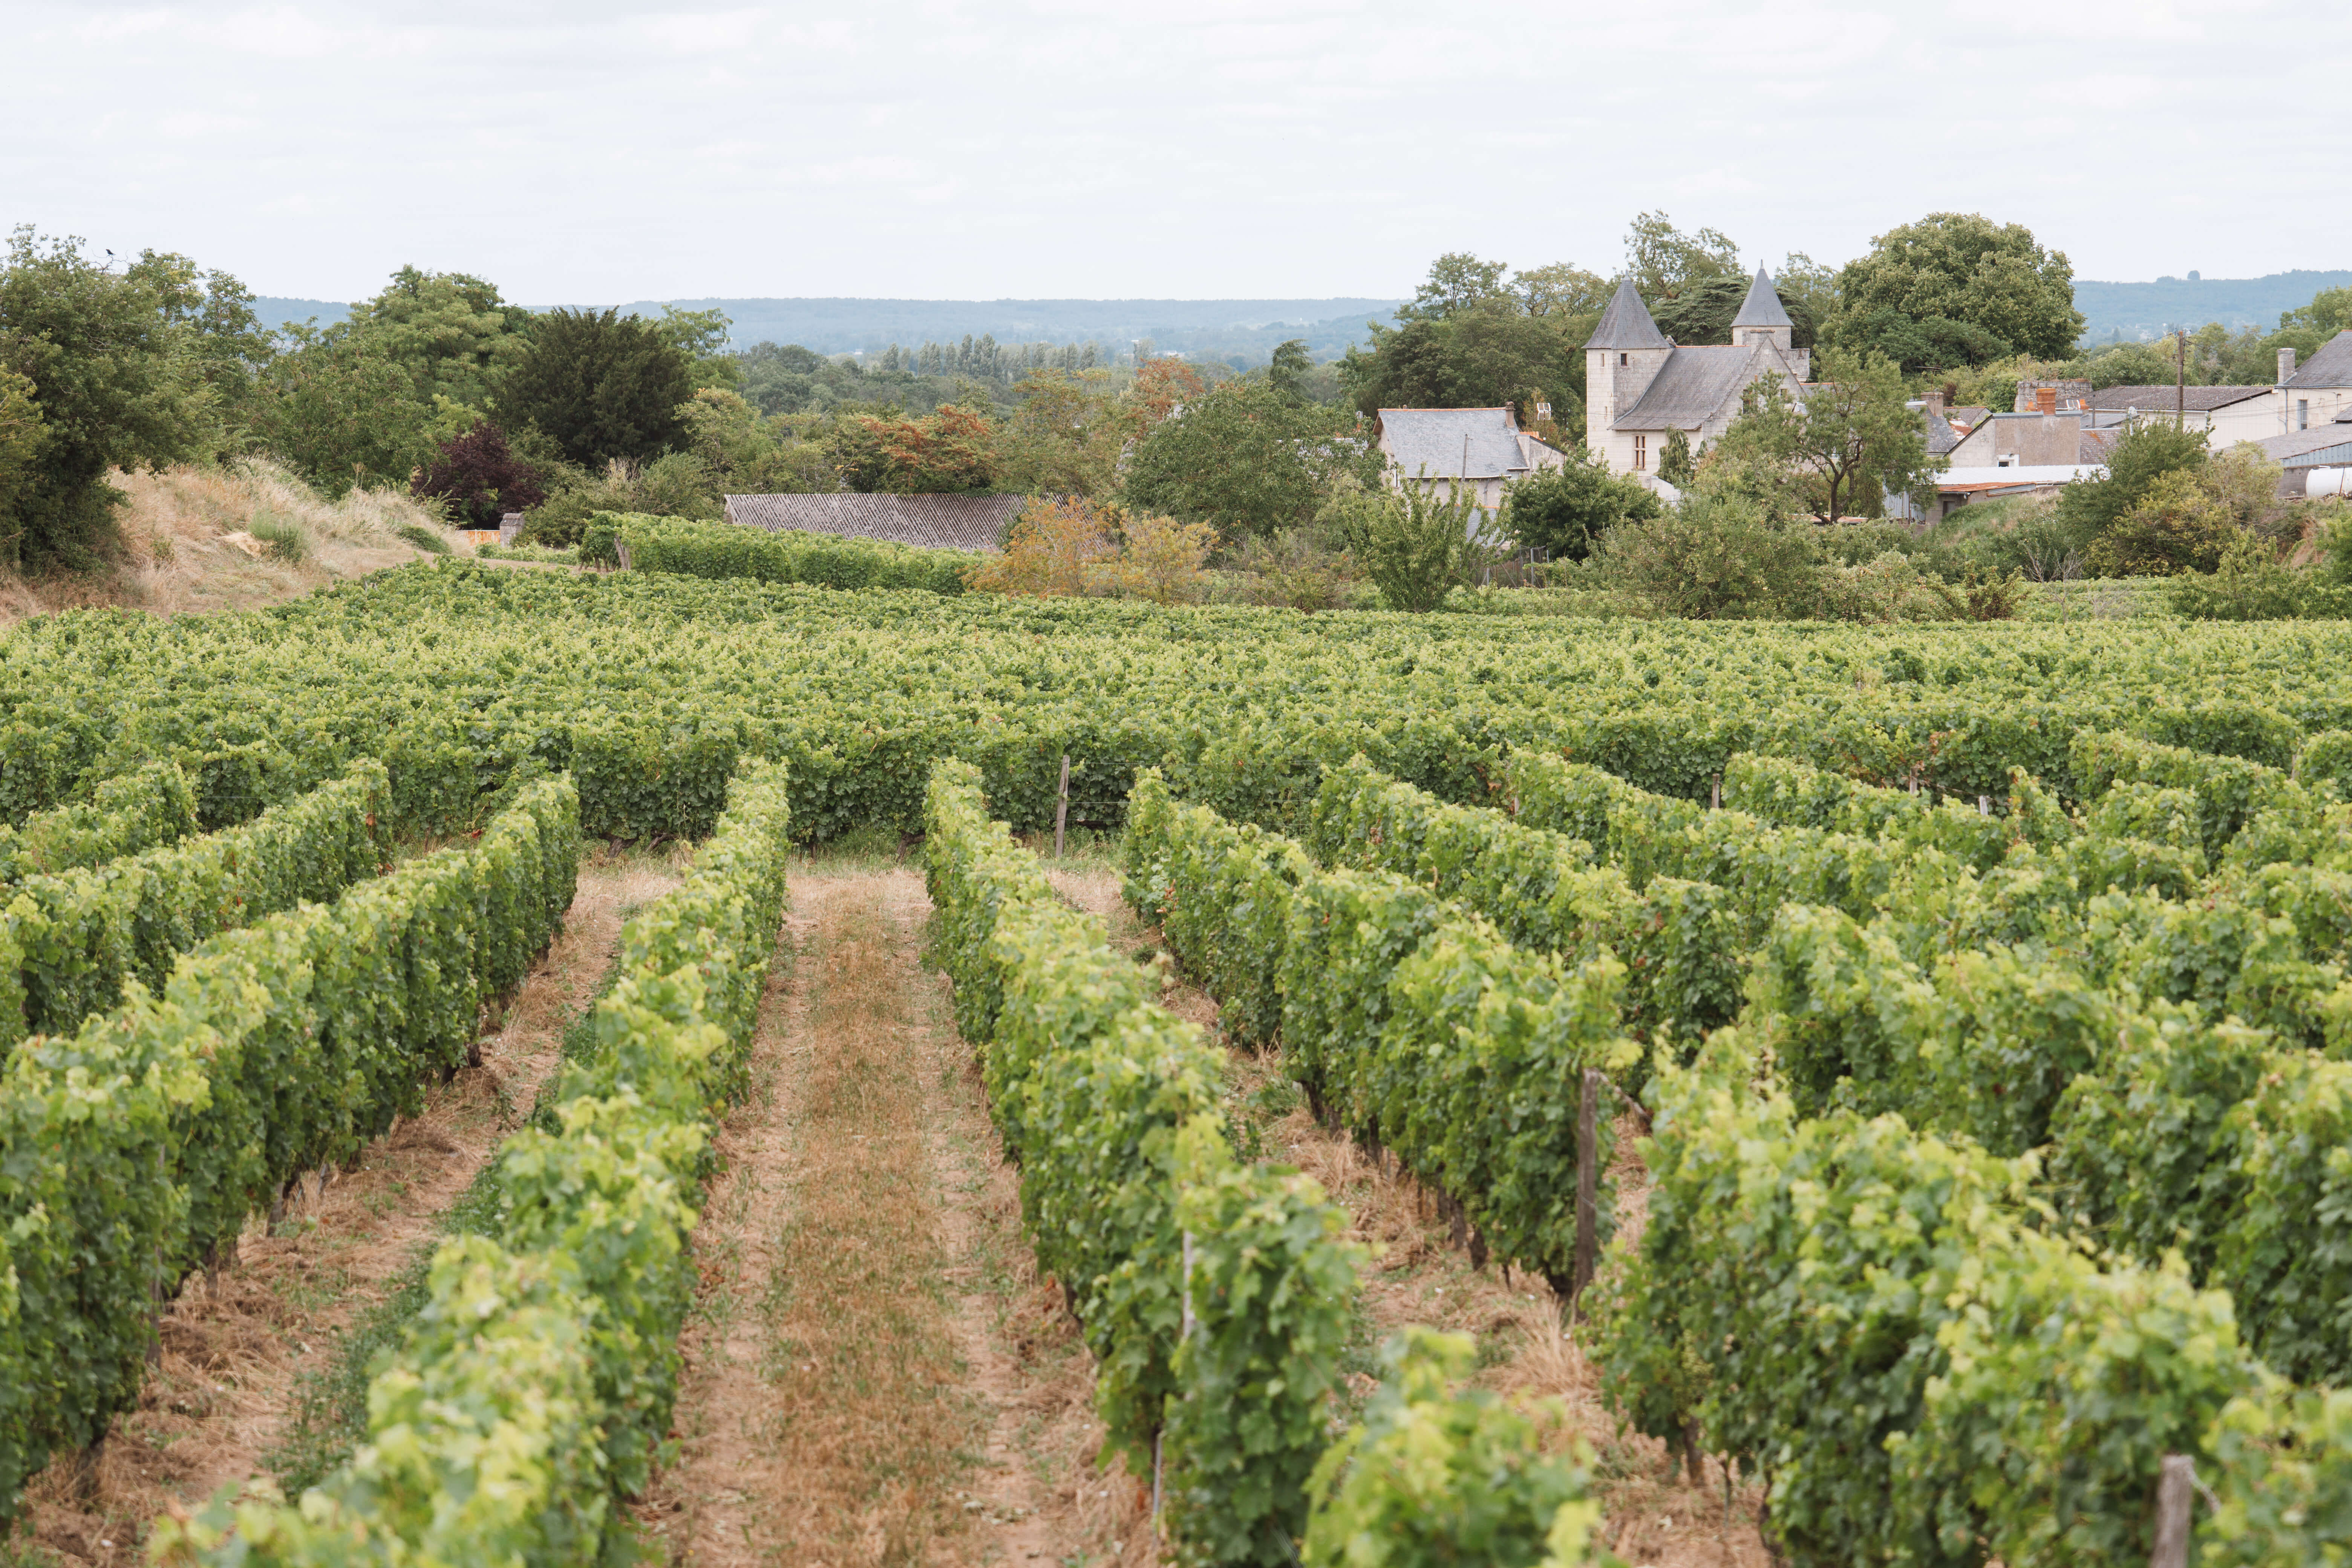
<point>1718,557</point>
<point>1566,510</point>
<point>1059,548</point>
<point>426,539</point>
<point>1416,547</point>
<point>282,537</point>
<point>480,477</point>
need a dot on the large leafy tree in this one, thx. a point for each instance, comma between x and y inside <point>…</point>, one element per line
<point>1475,336</point>
<point>343,413</point>
<point>2145,452</point>
<point>1247,460</point>
<point>113,386</point>
<point>1849,441</point>
<point>1965,268</point>
<point>600,385</point>
<point>951,452</point>
<point>1703,312</point>
<point>450,330</point>
<point>1664,262</point>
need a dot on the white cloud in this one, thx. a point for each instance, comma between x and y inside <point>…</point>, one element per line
<point>611,149</point>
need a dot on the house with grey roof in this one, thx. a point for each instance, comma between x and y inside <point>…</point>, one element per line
<point>1478,449</point>
<point>940,523</point>
<point>1639,384</point>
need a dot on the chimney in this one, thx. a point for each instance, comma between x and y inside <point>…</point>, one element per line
<point>1935,395</point>
<point>2286,366</point>
<point>2045,399</point>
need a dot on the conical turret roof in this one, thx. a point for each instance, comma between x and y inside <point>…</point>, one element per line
<point>1626,324</point>
<point>1762,307</point>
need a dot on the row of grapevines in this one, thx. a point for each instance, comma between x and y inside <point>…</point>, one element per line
<point>533,1392</point>
<point>70,940</point>
<point>1418,1026</point>
<point>725,550</point>
<point>1217,1297</point>
<point>144,809</point>
<point>1925,1370</point>
<point>134,1148</point>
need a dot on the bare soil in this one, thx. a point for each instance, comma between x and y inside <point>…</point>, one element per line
<point>235,1352</point>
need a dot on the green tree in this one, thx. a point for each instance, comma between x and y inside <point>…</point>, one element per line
<point>1851,441</point>
<point>2146,451</point>
<point>450,330</point>
<point>342,412</point>
<point>113,387</point>
<point>1674,462</point>
<point>602,386</point>
<point>2330,312</point>
<point>2177,525</point>
<point>21,435</point>
<point>1665,262</point>
<point>1286,372</point>
<point>226,346</point>
<point>1703,312</point>
<point>1963,267</point>
<point>1064,436</point>
<point>1565,510</point>
<point>701,336</point>
<point>1925,343</point>
<point>1416,545</point>
<point>1459,281</point>
<point>1246,459</point>
<point>1476,338</point>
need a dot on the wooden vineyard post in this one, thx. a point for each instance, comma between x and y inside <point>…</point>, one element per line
<point>2174,1494</point>
<point>1062,809</point>
<point>1984,805</point>
<point>1588,1190</point>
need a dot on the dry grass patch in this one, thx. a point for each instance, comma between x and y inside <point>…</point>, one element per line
<point>197,539</point>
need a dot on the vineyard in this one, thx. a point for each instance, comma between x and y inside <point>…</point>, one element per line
<point>1914,1062</point>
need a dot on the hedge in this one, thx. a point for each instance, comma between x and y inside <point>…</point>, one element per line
<point>785,555</point>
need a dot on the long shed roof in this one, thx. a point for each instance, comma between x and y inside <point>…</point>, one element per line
<point>942,523</point>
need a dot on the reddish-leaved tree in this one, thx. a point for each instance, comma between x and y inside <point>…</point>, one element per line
<point>480,478</point>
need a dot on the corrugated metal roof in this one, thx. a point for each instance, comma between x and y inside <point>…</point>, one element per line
<point>938,523</point>
<point>2331,366</point>
<point>1691,388</point>
<point>1762,307</point>
<point>1626,324</point>
<point>1468,443</point>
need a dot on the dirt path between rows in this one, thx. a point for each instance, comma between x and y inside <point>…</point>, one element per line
<point>873,1373</point>
<point>219,1405</point>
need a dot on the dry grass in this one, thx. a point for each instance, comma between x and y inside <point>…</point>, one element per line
<point>874,1371</point>
<point>188,544</point>
<point>235,1353</point>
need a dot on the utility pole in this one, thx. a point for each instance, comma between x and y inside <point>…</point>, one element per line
<point>2180,376</point>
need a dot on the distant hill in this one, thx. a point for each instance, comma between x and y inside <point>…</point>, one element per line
<point>1217,329</point>
<point>2150,310</point>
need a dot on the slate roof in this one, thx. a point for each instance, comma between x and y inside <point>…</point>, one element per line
<point>2295,449</point>
<point>1626,324</point>
<point>2159,399</point>
<point>2331,366</point>
<point>2095,446</point>
<point>1692,387</point>
<point>1762,307</point>
<point>1415,438</point>
<point>940,523</point>
<point>1941,436</point>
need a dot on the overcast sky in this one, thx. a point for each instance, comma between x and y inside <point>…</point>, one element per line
<point>591,152</point>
